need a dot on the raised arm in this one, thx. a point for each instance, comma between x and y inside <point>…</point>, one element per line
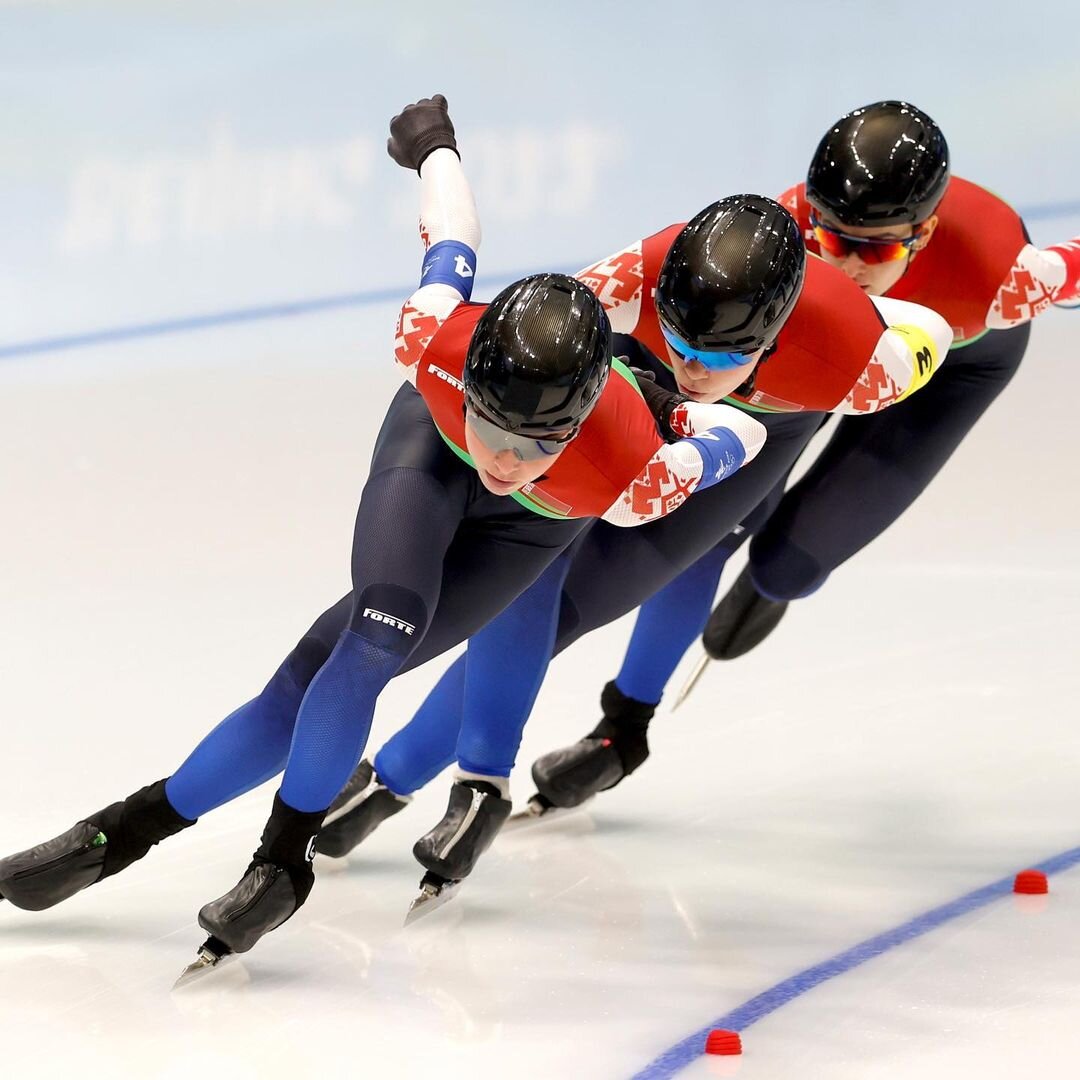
<point>422,138</point>
<point>911,348</point>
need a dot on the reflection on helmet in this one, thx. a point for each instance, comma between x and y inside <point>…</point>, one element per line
<point>883,164</point>
<point>732,277</point>
<point>539,355</point>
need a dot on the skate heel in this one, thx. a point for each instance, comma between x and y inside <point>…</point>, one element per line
<point>51,872</point>
<point>475,813</point>
<point>363,805</point>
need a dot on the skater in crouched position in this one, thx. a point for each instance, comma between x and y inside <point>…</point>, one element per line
<point>716,330</point>
<point>878,203</point>
<point>509,436</point>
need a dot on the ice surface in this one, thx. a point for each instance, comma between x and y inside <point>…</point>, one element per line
<point>176,511</point>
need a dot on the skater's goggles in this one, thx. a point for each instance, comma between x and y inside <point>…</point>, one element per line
<point>869,249</point>
<point>524,447</point>
<point>715,361</point>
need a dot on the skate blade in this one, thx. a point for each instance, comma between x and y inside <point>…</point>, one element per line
<point>692,680</point>
<point>431,898</point>
<point>536,813</point>
<point>207,960</point>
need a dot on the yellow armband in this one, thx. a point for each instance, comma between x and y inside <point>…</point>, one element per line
<point>924,356</point>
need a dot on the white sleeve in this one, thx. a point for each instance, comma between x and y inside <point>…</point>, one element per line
<point>447,207</point>
<point>717,441</point>
<point>447,212</point>
<point>1039,278</point>
<point>618,282</point>
<point>911,348</point>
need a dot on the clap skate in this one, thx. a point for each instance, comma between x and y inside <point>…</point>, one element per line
<point>569,777</point>
<point>274,887</point>
<point>96,848</point>
<point>475,814</point>
<point>362,806</point>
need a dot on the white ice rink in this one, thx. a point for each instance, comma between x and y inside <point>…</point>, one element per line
<point>177,509</point>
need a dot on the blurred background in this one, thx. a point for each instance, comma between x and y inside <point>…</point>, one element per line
<point>162,160</point>
<point>203,250</point>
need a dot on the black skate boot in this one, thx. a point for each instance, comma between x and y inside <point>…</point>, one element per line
<point>97,847</point>
<point>363,805</point>
<point>741,621</point>
<point>618,745</point>
<point>274,887</point>
<point>474,815</point>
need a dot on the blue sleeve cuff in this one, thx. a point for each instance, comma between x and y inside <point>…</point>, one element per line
<point>722,452</point>
<point>452,263</point>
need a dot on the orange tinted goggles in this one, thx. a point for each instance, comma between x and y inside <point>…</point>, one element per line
<point>868,249</point>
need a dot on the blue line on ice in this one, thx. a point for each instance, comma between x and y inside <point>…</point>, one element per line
<point>749,1012</point>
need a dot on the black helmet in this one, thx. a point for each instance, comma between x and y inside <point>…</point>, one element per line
<point>732,276</point>
<point>883,164</point>
<point>539,355</point>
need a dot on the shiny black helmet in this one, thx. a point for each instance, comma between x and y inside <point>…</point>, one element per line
<point>883,164</point>
<point>539,355</point>
<point>732,276</point>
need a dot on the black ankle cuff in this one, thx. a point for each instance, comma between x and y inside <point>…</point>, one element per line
<point>624,712</point>
<point>289,836</point>
<point>134,826</point>
<point>625,725</point>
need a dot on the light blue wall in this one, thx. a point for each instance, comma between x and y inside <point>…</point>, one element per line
<point>164,159</point>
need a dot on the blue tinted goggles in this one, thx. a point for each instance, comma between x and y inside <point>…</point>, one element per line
<point>715,361</point>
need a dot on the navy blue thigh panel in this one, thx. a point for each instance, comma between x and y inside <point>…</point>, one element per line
<point>498,549</point>
<point>614,570</point>
<point>874,467</point>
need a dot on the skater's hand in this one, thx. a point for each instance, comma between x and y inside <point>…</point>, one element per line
<point>418,130</point>
<point>661,402</point>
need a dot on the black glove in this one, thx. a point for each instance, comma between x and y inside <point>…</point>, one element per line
<point>661,402</point>
<point>418,130</point>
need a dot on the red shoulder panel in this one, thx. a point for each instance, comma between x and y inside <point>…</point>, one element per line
<point>824,347</point>
<point>974,247</point>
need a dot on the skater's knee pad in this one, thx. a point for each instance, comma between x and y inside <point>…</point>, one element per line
<point>390,616</point>
<point>783,571</point>
<point>303,663</point>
